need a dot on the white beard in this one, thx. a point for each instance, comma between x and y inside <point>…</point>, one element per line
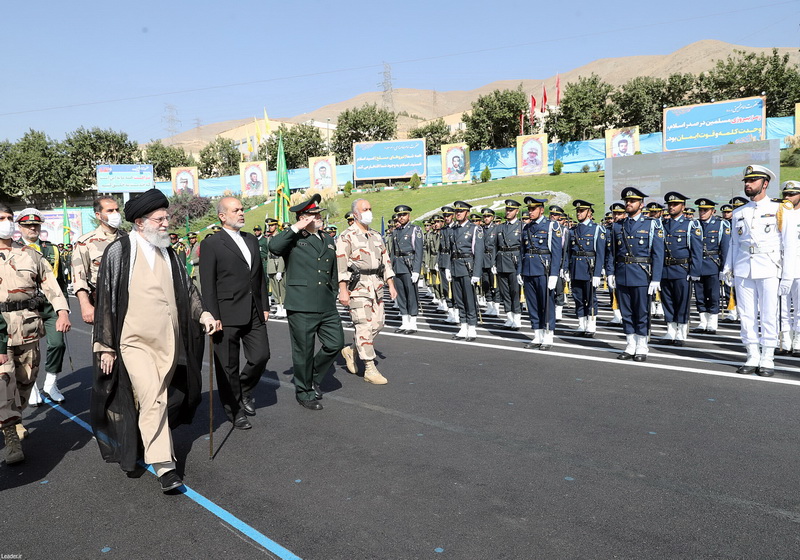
<point>235,225</point>
<point>154,236</point>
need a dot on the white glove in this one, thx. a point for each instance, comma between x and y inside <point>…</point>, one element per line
<point>727,276</point>
<point>551,282</point>
<point>447,275</point>
<point>566,276</point>
<point>653,288</point>
<point>494,270</point>
<point>595,282</point>
<point>785,286</point>
<point>208,322</point>
<point>414,277</point>
<point>278,276</point>
<point>436,267</point>
<point>612,282</point>
<point>693,278</point>
<point>519,280</point>
<point>475,280</point>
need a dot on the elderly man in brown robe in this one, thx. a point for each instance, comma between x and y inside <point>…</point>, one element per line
<point>148,344</point>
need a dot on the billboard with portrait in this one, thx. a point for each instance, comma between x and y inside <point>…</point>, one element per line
<point>392,159</point>
<point>184,180</point>
<point>124,178</point>
<point>455,163</point>
<point>715,124</point>
<point>253,178</point>
<point>532,154</point>
<point>322,171</point>
<point>621,142</point>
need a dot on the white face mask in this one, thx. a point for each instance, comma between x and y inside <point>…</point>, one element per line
<point>114,220</point>
<point>366,217</point>
<point>6,229</point>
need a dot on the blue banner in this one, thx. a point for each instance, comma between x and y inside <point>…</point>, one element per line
<point>124,178</point>
<point>714,124</point>
<point>389,160</point>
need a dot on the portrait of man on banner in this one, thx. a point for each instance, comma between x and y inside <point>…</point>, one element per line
<point>531,154</point>
<point>184,180</point>
<point>622,142</point>
<point>323,172</point>
<point>455,163</point>
<point>252,176</point>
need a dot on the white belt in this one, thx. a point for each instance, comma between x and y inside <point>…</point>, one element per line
<point>755,250</point>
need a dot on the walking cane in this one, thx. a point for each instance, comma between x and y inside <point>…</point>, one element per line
<point>210,399</point>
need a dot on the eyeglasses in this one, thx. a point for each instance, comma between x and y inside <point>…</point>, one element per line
<point>162,220</point>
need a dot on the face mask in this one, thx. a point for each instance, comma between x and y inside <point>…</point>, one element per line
<point>114,220</point>
<point>366,217</point>
<point>6,229</point>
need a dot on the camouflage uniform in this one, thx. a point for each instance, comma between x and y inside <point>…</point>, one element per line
<point>367,252</point>
<point>23,273</point>
<point>86,256</point>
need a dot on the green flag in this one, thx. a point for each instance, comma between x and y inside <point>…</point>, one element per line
<point>282,192</point>
<point>67,230</point>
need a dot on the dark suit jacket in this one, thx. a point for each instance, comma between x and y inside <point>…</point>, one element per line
<point>311,273</point>
<point>229,288</point>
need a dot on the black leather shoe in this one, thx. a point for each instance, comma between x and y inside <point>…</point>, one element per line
<point>640,358</point>
<point>242,423</point>
<point>545,347</point>
<point>532,345</point>
<point>782,352</point>
<point>746,369</point>
<point>625,356</point>
<point>765,372</point>
<point>249,406</point>
<point>317,390</point>
<point>170,481</point>
<point>588,335</point>
<point>699,330</point>
<point>456,337</point>
<point>400,331</point>
<point>409,331</point>
<point>709,331</point>
<point>795,353</point>
<point>310,405</point>
<point>678,343</point>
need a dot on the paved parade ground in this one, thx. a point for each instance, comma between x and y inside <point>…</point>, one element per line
<point>480,450</point>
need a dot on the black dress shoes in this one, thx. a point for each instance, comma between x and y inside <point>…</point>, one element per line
<point>249,406</point>
<point>625,356</point>
<point>317,390</point>
<point>310,405</point>
<point>545,347</point>
<point>640,358</point>
<point>746,369</point>
<point>678,343</point>
<point>532,345</point>
<point>170,481</point>
<point>400,330</point>
<point>765,372</point>
<point>242,423</point>
<point>782,352</point>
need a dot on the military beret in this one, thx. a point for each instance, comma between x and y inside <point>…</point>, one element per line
<point>149,201</point>
<point>674,196</point>
<point>632,192</point>
<point>310,206</point>
<point>402,209</point>
<point>705,203</point>
<point>460,206</point>
<point>757,172</point>
<point>29,216</point>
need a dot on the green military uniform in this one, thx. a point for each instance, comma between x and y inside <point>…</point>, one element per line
<point>274,268</point>
<point>311,291</point>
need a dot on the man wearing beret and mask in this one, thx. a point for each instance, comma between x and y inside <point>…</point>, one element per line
<point>148,343</point>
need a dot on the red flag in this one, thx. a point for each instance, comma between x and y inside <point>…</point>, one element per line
<point>533,108</point>
<point>558,90</point>
<point>544,98</point>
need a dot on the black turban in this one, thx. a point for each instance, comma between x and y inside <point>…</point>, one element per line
<point>145,203</point>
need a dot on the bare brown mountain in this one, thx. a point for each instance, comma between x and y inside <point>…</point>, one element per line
<point>422,105</point>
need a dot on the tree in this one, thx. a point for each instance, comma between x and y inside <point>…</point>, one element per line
<point>494,121</point>
<point>300,142</point>
<point>747,74</point>
<point>364,124</point>
<point>88,148</point>
<point>585,111</point>
<point>33,167</point>
<point>435,134</point>
<point>220,158</point>
<point>162,158</point>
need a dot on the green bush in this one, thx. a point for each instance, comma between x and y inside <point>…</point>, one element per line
<point>415,182</point>
<point>486,175</point>
<point>585,168</point>
<point>791,157</point>
<point>348,189</point>
<point>557,167</point>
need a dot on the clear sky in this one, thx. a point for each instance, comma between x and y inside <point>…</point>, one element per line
<point>119,64</point>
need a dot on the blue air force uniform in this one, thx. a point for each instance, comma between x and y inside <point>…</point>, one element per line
<point>586,253</point>
<point>507,258</point>
<point>541,252</point>
<point>716,243</point>
<point>406,242</point>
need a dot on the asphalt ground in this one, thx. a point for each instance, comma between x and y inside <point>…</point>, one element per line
<point>472,451</point>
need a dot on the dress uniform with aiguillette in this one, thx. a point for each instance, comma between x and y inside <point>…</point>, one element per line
<point>716,243</point>
<point>444,262</point>
<point>586,253</point>
<point>489,278</point>
<point>634,267</point>
<point>540,262</point>
<point>465,266</point>
<point>407,263</point>
<point>507,257</point>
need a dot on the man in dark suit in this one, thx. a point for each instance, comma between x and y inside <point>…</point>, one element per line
<point>233,285</point>
<point>311,290</point>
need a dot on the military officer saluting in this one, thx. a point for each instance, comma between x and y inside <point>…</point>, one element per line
<point>488,284</point>
<point>507,256</point>
<point>754,265</point>
<point>586,253</point>
<point>465,266</point>
<point>716,242</point>
<point>634,266</point>
<point>683,259</point>
<point>407,264</point>
<point>541,253</point>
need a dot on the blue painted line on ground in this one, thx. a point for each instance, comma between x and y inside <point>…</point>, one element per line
<point>204,502</point>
